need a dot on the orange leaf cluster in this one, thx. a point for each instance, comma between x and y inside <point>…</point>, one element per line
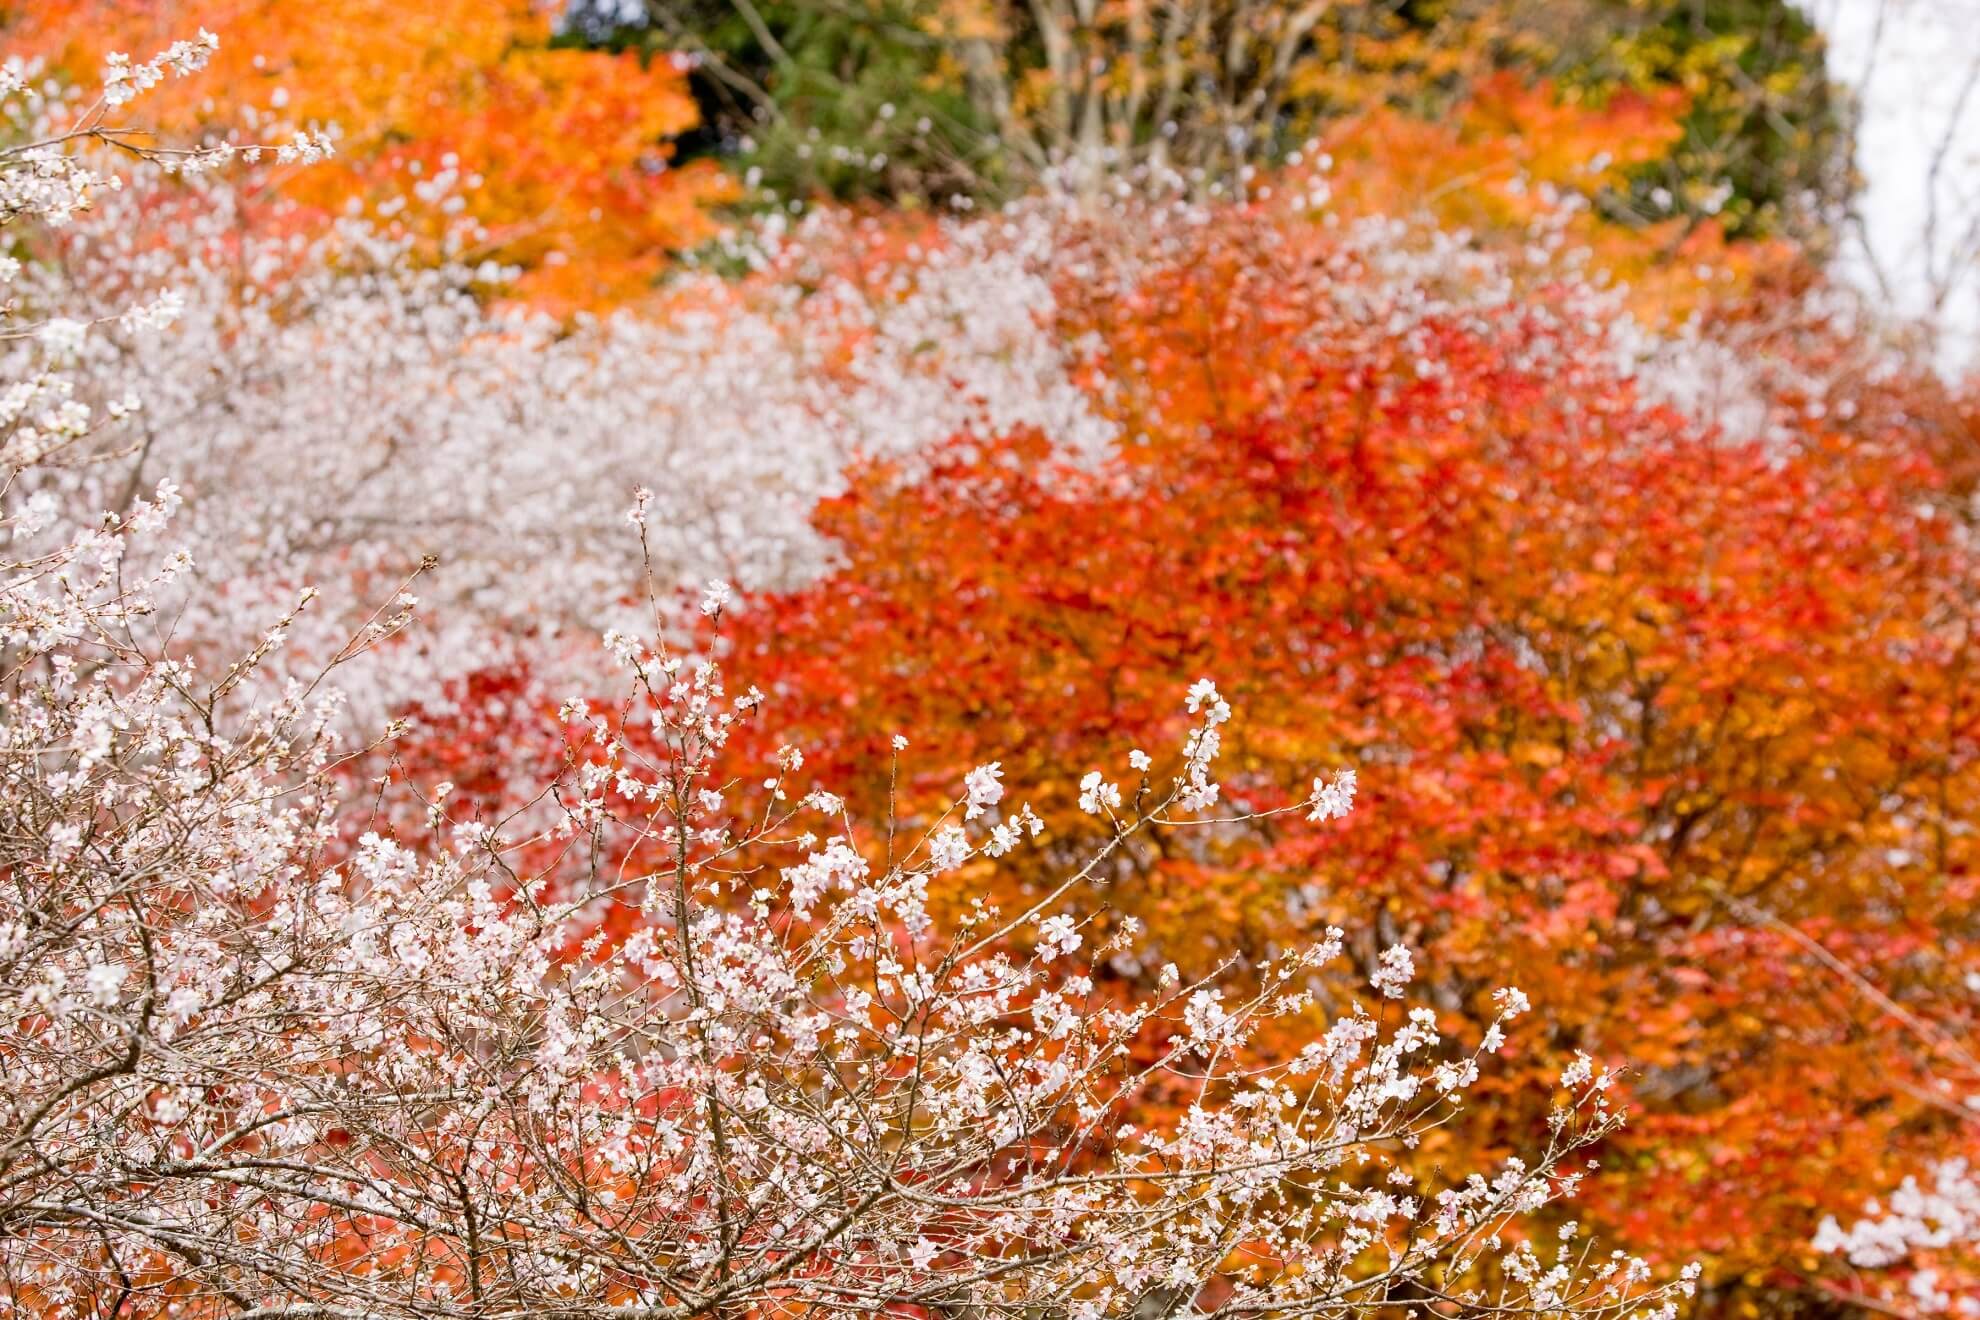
<point>561,156</point>
<point>1522,161</point>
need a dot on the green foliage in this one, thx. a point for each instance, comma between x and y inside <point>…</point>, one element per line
<point>1766,138</point>
<point>886,99</point>
<point>807,100</point>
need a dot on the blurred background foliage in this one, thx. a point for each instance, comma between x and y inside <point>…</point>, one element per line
<point>594,142</point>
<point>909,102</point>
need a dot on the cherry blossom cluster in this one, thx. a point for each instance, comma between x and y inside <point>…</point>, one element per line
<point>388,410</point>
<point>1920,1226</point>
<point>432,1076</point>
<point>44,178</point>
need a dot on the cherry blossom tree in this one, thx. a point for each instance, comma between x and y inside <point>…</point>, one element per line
<point>390,409</point>
<point>252,1076</point>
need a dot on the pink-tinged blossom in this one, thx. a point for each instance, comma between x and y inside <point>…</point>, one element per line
<point>948,849</point>
<point>1096,795</point>
<point>982,790</point>
<point>715,598</point>
<point>1394,972</point>
<point>1057,936</point>
<point>1333,799</point>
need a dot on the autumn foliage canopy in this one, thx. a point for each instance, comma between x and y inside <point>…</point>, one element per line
<point>1667,719</point>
